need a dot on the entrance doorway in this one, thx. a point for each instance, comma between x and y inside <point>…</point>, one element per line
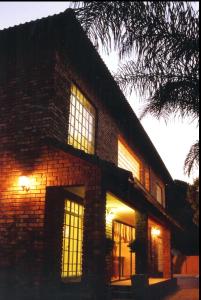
<point>120,227</point>
<point>123,259</point>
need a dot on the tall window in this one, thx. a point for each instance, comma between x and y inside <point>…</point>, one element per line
<point>159,194</point>
<point>147,178</point>
<point>81,130</point>
<point>127,160</point>
<point>72,240</point>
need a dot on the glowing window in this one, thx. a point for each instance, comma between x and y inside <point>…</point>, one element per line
<point>72,240</point>
<point>127,160</point>
<point>147,179</point>
<point>81,130</point>
<point>159,194</point>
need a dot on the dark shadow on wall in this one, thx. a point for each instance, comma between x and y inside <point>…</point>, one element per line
<point>177,265</point>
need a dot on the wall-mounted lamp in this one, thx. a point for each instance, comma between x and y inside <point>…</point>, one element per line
<point>110,214</point>
<point>24,182</point>
<point>155,231</point>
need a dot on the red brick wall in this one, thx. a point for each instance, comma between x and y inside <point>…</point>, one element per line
<point>163,260</point>
<point>187,265</point>
<point>142,238</point>
<point>34,102</point>
<point>22,213</point>
<point>167,264</point>
<point>34,99</point>
<point>106,127</point>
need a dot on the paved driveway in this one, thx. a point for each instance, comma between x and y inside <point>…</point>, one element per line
<point>185,294</point>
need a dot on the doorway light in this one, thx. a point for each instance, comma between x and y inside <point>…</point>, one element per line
<point>155,231</point>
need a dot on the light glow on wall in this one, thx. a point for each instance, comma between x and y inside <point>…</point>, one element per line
<point>110,215</point>
<point>155,231</point>
<point>24,183</point>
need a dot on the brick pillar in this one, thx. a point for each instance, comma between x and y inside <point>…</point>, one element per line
<point>167,266</point>
<point>142,238</point>
<point>94,264</point>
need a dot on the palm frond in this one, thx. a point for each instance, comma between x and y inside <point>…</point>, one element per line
<point>160,39</point>
<point>192,159</point>
<point>168,91</point>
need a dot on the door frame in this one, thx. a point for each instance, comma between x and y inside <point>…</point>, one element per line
<point>119,269</point>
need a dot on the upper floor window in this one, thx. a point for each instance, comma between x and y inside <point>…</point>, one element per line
<point>127,160</point>
<point>159,194</point>
<point>147,178</point>
<point>81,130</point>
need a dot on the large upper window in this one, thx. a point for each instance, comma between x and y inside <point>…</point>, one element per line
<point>81,132</point>
<point>127,159</point>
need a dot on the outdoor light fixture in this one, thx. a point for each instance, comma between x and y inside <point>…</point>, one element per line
<point>24,182</point>
<point>155,231</point>
<point>110,214</point>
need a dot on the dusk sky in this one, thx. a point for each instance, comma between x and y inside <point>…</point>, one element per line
<point>172,139</point>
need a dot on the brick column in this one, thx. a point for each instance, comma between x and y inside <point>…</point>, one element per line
<point>167,268</point>
<point>94,264</point>
<point>142,238</point>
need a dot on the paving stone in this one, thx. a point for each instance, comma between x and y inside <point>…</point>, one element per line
<point>185,294</point>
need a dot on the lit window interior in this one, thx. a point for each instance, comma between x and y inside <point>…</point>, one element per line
<point>120,222</point>
<point>81,133</point>
<point>159,196</point>
<point>72,240</point>
<point>127,161</point>
<point>147,179</point>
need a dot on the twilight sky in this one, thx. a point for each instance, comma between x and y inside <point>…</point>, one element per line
<point>172,139</point>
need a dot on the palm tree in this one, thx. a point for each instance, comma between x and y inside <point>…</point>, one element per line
<point>192,159</point>
<point>160,42</point>
<point>193,199</point>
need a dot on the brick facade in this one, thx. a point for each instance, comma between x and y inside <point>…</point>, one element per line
<point>106,128</point>
<point>35,81</point>
<point>22,213</point>
<point>167,263</point>
<point>142,237</point>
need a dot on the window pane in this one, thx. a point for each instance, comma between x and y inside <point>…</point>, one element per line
<point>147,179</point>
<point>72,240</point>
<point>159,197</point>
<point>127,161</point>
<point>82,121</point>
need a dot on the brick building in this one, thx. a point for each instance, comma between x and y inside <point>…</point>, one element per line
<point>80,178</point>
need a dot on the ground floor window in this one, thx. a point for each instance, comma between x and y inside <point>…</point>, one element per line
<point>72,240</point>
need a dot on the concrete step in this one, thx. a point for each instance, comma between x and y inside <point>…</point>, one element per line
<point>187,281</point>
<point>154,292</point>
<point>161,289</point>
<point>121,292</point>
